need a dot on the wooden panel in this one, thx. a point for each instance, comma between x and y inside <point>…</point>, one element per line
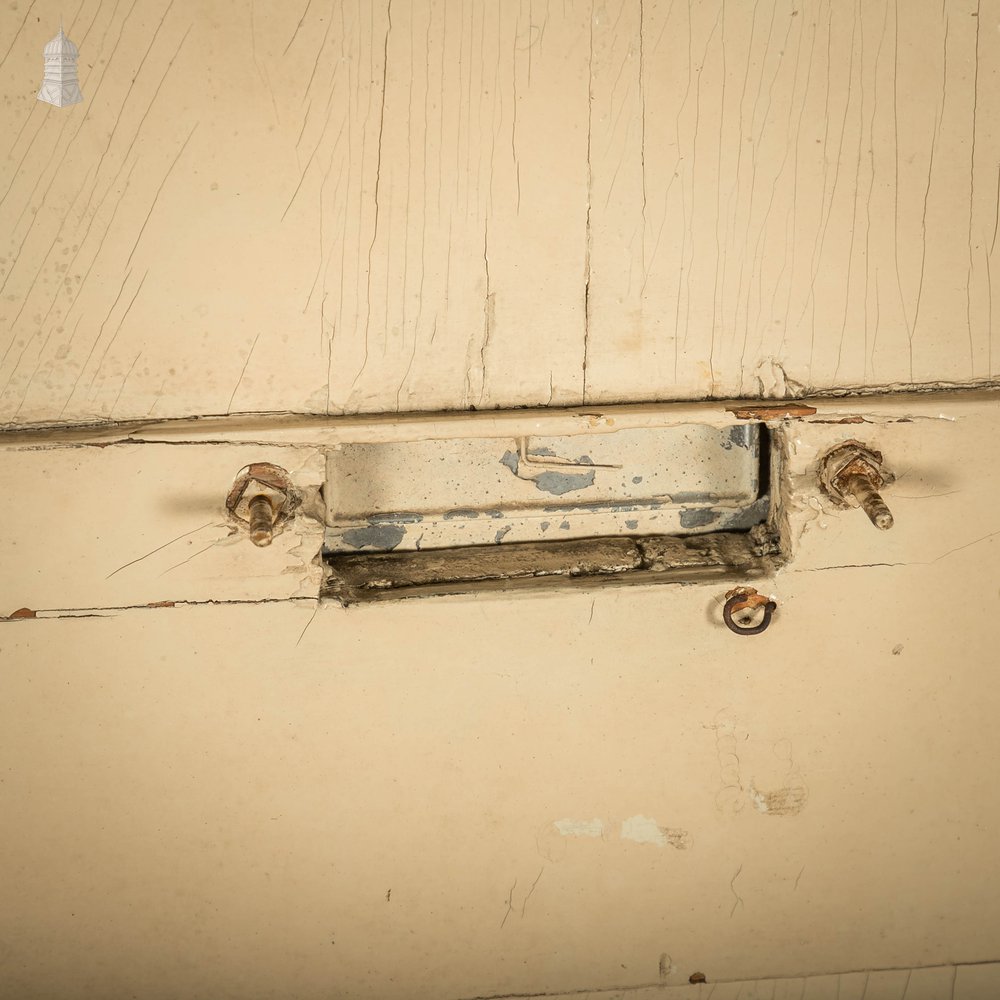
<point>320,208</point>
<point>465,798</point>
<point>791,193</point>
<point>133,525</point>
<point>124,517</point>
<point>252,792</point>
<point>385,206</point>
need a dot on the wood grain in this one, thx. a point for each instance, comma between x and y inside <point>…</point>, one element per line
<point>349,207</point>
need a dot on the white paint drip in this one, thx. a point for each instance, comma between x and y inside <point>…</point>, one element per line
<point>580,827</point>
<point>643,830</point>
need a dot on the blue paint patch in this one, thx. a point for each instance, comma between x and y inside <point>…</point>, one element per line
<point>755,514</point>
<point>556,483</point>
<point>637,480</point>
<point>544,525</point>
<point>493,513</point>
<point>547,452</point>
<point>510,460</point>
<point>632,524</point>
<point>564,526</point>
<point>466,512</point>
<point>401,517</point>
<point>559,483</point>
<point>500,534</point>
<point>585,460</point>
<point>740,435</point>
<point>698,518</point>
<point>376,536</point>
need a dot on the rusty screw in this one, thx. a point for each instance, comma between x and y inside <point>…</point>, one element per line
<point>852,476</point>
<point>262,499</point>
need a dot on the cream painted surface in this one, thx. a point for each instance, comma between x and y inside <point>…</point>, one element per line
<point>372,206</point>
<point>250,801</point>
<point>213,785</point>
<point>133,524</point>
<point>523,793</point>
<point>144,506</point>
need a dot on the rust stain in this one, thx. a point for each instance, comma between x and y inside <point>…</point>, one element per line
<point>161,604</point>
<point>762,412</point>
<point>22,613</point>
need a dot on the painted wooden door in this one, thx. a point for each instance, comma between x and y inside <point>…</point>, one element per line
<point>271,228</point>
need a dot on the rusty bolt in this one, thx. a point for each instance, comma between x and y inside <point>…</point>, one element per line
<point>262,499</point>
<point>852,476</point>
<point>261,520</point>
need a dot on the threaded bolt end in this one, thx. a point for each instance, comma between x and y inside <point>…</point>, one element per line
<point>863,490</point>
<point>261,521</point>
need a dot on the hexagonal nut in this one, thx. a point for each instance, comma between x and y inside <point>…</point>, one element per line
<point>263,479</point>
<point>851,459</point>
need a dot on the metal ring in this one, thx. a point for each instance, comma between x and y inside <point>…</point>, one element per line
<point>740,600</point>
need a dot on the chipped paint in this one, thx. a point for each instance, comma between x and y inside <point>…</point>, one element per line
<point>698,517</point>
<point>645,830</point>
<point>580,827</point>
<point>744,519</point>
<point>501,533</point>
<point>765,412</point>
<point>739,436</point>
<point>402,517</point>
<point>631,523</point>
<point>511,460</point>
<point>558,483</point>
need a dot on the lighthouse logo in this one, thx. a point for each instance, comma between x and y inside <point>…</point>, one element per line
<point>60,86</point>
